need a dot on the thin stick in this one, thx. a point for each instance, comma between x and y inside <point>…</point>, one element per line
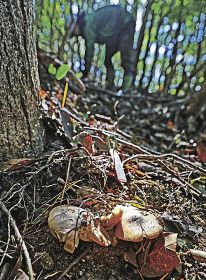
<point>123,142</point>
<point>165,156</point>
<point>178,159</point>
<point>20,240</point>
<point>75,261</point>
<point>67,177</point>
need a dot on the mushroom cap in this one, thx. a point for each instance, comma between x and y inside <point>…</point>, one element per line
<point>64,218</point>
<point>70,223</point>
<point>114,218</point>
<point>135,225</point>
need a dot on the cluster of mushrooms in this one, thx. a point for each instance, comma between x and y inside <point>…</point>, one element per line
<point>69,224</point>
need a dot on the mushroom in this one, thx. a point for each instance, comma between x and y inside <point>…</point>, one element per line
<point>132,224</point>
<point>114,218</point>
<point>69,224</point>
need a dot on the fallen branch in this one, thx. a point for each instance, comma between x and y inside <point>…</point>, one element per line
<point>20,240</point>
<point>144,95</point>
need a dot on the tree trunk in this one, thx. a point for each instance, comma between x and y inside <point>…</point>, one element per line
<point>197,104</point>
<point>21,134</point>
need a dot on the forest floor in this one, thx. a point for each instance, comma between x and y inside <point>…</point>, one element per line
<point>164,163</point>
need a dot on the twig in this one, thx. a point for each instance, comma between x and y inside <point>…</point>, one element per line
<point>75,261</point>
<point>121,141</point>
<point>155,99</point>
<point>20,240</point>
<point>67,177</point>
<point>165,156</point>
<point>178,159</point>
<point>74,116</point>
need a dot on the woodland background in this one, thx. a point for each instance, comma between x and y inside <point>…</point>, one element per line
<point>156,129</point>
<point>169,41</point>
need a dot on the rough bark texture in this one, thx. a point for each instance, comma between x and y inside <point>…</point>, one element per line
<point>20,131</point>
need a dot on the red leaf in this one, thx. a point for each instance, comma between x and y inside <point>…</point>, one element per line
<point>88,144</point>
<point>201,152</point>
<point>159,261</point>
<point>170,124</point>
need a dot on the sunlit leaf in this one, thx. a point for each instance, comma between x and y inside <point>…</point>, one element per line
<point>62,71</point>
<point>52,69</point>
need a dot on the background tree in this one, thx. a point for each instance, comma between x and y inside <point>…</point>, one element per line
<point>169,39</point>
<point>21,133</point>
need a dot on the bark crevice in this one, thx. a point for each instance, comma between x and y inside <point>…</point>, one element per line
<point>21,132</point>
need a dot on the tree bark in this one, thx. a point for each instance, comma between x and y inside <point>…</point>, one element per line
<point>21,133</point>
<point>197,103</point>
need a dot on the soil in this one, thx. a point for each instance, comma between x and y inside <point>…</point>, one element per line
<point>31,190</point>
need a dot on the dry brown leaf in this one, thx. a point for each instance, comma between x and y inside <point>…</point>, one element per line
<point>170,241</point>
<point>23,275</point>
<point>15,164</point>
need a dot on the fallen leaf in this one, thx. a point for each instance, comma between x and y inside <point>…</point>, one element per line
<point>118,166</point>
<point>23,275</point>
<point>42,94</point>
<point>88,144</point>
<point>67,124</point>
<point>15,164</point>
<point>160,260</point>
<point>201,152</point>
<point>92,120</point>
<point>170,124</point>
<point>131,257</point>
<point>59,95</point>
<point>170,241</point>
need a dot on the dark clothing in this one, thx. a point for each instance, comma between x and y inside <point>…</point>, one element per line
<point>114,27</point>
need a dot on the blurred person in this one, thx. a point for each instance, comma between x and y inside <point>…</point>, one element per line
<point>114,27</point>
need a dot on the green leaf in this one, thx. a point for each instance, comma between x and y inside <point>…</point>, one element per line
<point>52,69</point>
<point>78,75</point>
<point>62,71</point>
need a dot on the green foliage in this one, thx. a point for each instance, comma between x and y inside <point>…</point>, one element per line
<point>62,71</point>
<point>50,27</point>
<point>52,69</point>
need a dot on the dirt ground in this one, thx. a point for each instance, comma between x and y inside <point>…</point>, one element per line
<point>33,189</point>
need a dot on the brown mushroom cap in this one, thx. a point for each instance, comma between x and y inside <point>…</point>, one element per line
<point>135,225</point>
<point>66,223</point>
<point>64,218</point>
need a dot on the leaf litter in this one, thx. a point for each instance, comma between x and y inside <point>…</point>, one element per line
<point>127,166</point>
